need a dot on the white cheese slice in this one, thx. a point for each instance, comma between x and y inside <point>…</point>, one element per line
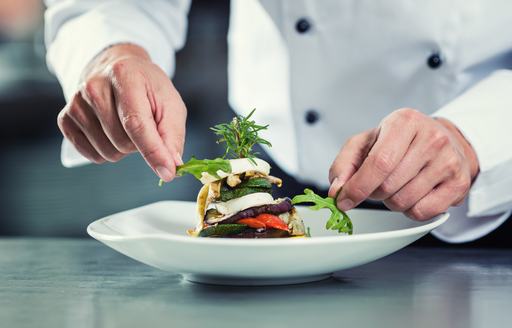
<point>239,165</point>
<point>239,204</point>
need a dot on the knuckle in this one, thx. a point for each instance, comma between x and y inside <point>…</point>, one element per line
<point>115,157</point>
<point>75,112</point>
<point>452,165</point>
<point>407,114</point>
<point>61,117</point>
<point>92,88</point>
<point>439,139</point>
<point>465,185</point>
<point>133,123</point>
<point>350,141</point>
<point>387,187</point>
<point>96,159</point>
<point>383,162</point>
<point>416,213</point>
<point>120,68</point>
<point>396,203</point>
<point>462,185</point>
<point>150,153</point>
<point>111,154</point>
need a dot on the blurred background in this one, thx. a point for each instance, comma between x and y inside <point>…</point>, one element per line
<point>38,197</point>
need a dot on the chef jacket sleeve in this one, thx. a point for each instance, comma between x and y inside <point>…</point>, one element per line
<point>483,114</point>
<point>77,30</point>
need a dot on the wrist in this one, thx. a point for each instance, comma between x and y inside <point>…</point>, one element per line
<point>111,55</point>
<point>469,152</point>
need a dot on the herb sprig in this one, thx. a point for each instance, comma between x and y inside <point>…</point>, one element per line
<point>240,135</point>
<point>339,220</point>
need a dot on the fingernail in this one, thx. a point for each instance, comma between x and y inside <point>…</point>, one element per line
<point>164,173</point>
<point>178,159</point>
<point>331,192</point>
<point>346,204</point>
<point>336,186</point>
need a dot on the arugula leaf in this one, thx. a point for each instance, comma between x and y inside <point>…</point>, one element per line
<point>339,220</point>
<point>197,166</point>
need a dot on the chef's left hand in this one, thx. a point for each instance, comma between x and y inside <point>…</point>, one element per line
<point>413,163</point>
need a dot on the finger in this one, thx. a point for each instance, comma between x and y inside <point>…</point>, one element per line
<point>426,180</point>
<point>73,133</point>
<point>99,96</point>
<point>171,123</point>
<point>136,116</point>
<point>392,143</point>
<point>416,158</point>
<point>349,159</point>
<point>82,114</point>
<point>425,148</point>
<point>438,200</point>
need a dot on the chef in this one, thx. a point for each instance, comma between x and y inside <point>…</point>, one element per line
<point>405,102</point>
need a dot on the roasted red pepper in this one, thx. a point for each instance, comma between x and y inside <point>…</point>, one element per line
<point>252,223</point>
<point>272,221</point>
<point>268,221</point>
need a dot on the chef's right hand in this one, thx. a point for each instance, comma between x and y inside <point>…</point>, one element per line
<point>126,104</point>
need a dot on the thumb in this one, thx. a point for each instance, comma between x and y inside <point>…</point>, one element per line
<point>349,159</point>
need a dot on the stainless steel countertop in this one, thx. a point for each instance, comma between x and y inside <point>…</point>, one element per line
<point>81,283</point>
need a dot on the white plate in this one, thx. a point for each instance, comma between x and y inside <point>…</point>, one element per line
<point>155,235</point>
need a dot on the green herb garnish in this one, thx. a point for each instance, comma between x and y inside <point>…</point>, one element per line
<point>339,220</point>
<point>197,166</point>
<point>240,135</point>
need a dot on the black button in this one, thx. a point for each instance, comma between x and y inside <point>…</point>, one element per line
<point>434,61</point>
<point>303,25</point>
<point>312,116</point>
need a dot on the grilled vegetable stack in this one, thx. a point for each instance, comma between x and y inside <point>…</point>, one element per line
<point>239,204</point>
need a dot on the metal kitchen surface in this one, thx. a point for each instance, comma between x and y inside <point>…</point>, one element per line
<point>81,283</point>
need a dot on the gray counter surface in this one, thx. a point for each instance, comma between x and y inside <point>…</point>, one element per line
<point>82,283</point>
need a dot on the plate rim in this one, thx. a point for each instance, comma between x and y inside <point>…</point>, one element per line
<point>436,221</point>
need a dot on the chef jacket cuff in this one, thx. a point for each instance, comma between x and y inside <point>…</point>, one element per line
<point>478,114</point>
<point>461,228</point>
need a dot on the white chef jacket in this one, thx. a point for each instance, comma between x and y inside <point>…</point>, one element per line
<point>321,71</point>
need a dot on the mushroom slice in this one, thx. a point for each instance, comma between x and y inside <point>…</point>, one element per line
<point>272,179</point>
<point>233,180</point>
<point>215,189</point>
